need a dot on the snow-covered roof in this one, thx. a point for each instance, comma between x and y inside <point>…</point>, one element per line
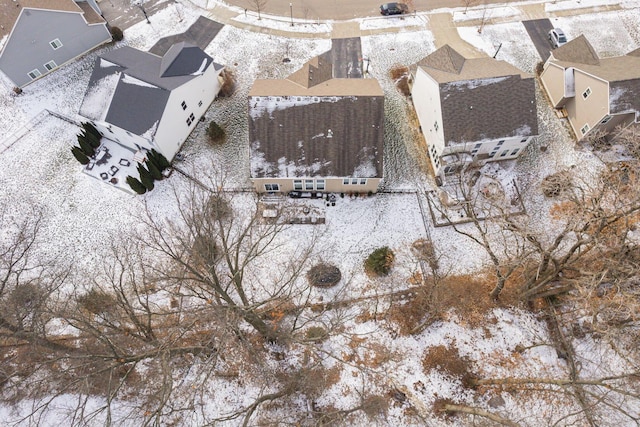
<point>311,124</point>
<point>129,88</point>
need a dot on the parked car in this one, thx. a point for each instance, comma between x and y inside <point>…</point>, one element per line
<point>393,9</point>
<point>557,37</point>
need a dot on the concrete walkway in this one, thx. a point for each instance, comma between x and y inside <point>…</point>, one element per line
<point>441,24</point>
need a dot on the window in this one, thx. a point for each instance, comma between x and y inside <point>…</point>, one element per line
<point>34,74</point>
<point>586,93</point>
<point>500,143</point>
<point>345,181</point>
<point>200,104</point>
<point>584,129</point>
<point>504,153</point>
<point>435,125</point>
<point>477,146</point>
<point>308,184</point>
<point>55,44</point>
<point>605,120</point>
<point>50,65</point>
<point>184,105</point>
<point>363,181</point>
<point>190,119</point>
<point>320,184</point>
<point>493,153</point>
<point>524,140</point>
<point>272,187</point>
<point>514,152</point>
<point>297,184</point>
<point>354,181</point>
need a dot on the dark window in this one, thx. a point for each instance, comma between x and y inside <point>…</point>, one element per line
<point>184,105</point>
<point>272,187</point>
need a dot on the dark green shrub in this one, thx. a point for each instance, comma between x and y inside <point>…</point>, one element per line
<point>86,147</point>
<point>79,155</point>
<point>91,129</point>
<point>93,140</point>
<point>116,34</point>
<point>136,185</point>
<point>158,160</point>
<point>145,177</point>
<point>379,262</point>
<point>215,132</point>
<point>154,171</point>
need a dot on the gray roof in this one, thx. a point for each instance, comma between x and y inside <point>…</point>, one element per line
<point>200,33</point>
<point>183,59</point>
<point>127,89</point>
<point>482,98</point>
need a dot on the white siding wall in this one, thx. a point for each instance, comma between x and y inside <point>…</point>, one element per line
<point>198,94</point>
<point>426,100</point>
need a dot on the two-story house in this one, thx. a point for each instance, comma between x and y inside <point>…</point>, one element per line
<point>472,109</point>
<point>312,132</point>
<point>143,101</point>
<point>597,95</point>
<point>45,34</point>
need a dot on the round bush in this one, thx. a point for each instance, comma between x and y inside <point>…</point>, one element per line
<point>324,275</point>
<point>379,262</point>
<point>215,132</point>
<point>116,34</point>
<point>316,333</point>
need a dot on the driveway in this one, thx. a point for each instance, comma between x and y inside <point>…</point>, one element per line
<point>538,30</point>
<point>346,57</point>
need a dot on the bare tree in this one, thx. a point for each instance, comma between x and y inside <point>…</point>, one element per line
<point>258,6</point>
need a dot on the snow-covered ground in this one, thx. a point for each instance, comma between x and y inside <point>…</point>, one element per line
<point>82,217</point>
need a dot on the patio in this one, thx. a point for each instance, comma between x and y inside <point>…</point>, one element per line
<point>112,163</point>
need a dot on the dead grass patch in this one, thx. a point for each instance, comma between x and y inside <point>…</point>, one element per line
<point>449,361</point>
<point>467,295</point>
<point>400,75</point>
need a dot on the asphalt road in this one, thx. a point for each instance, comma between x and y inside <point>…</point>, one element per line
<point>344,10</point>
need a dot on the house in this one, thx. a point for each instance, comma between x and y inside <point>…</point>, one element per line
<point>143,101</point>
<point>472,109</point>
<point>45,34</point>
<point>597,95</point>
<point>313,132</point>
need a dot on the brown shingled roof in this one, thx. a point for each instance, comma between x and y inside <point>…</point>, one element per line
<point>447,65</point>
<point>444,59</point>
<point>578,50</point>
<point>635,52</point>
<point>314,72</point>
<point>10,10</point>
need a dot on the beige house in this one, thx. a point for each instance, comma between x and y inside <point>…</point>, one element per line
<point>472,109</point>
<point>596,94</point>
<point>313,133</point>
